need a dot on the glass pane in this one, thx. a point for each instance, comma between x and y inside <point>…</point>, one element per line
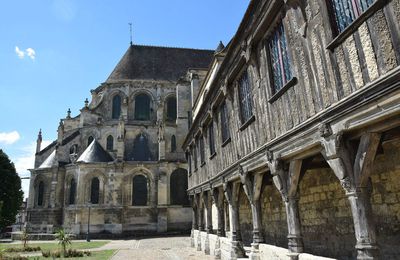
<point>110,143</point>
<point>40,194</point>
<point>72,192</point>
<point>142,107</point>
<point>139,191</point>
<point>94,191</point>
<point>171,109</point>
<point>116,107</point>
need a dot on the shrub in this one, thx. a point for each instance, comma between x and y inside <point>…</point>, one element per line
<point>68,253</point>
<point>15,257</point>
<point>23,249</point>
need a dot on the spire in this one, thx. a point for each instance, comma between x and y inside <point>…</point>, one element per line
<point>69,113</point>
<point>86,103</point>
<point>130,31</point>
<point>220,47</point>
<point>39,141</point>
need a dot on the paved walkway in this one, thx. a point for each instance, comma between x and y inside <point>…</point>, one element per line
<point>174,248</point>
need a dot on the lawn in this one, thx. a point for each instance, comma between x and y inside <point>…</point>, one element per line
<point>54,245</point>
<point>96,255</point>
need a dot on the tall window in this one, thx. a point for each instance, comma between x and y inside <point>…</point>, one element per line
<point>224,122</point>
<point>110,143</point>
<point>178,187</point>
<point>73,149</point>
<point>142,107</point>
<point>72,192</point>
<point>189,160</point>
<point>90,140</point>
<point>246,108</point>
<point>116,107</point>
<point>173,144</point>
<point>195,156</point>
<point>94,191</point>
<point>202,153</point>
<point>171,109</point>
<point>141,149</point>
<point>281,72</point>
<point>346,11</point>
<point>40,194</point>
<point>211,140</point>
<point>139,193</point>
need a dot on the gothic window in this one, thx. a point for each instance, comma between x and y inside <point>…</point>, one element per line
<point>40,199</point>
<point>202,152</point>
<point>224,122</point>
<point>173,144</point>
<point>110,143</point>
<point>116,107</point>
<point>345,12</point>
<point>94,191</point>
<point>280,64</point>
<point>142,107</point>
<point>90,140</point>
<point>72,192</point>
<point>73,149</point>
<point>211,140</point>
<point>189,160</point>
<point>246,107</point>
<point>171,109</point>
<point>178,188</point>
<point>141,149</point>
<point>139,192</point>
<point>195,156</point>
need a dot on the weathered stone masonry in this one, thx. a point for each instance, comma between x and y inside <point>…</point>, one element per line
<point>314,168</point>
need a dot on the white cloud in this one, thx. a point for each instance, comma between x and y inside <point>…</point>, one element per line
<point>31,53</point>
<point>19,53</point>
<point>9,138</point>
<point>26,161</point>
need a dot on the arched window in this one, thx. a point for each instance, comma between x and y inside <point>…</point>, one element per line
<point>171,109</point>
<point>139,191</point>
<point>141,149</point>
<point>94,191</point>
<point>173,144</point>
<point>72,192</point>
<point>116,107</point>
<point>110,143</point>
<point>142,107</point>
<point>40,194</point>
<point>90,140</point>
<point>73,149</point>
<point>178,187</point>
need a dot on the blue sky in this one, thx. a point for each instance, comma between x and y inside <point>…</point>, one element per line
<point>53,52</point>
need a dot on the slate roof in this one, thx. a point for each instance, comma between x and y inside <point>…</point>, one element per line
<point>159,63</point>
<point>50,161</point>
<point>95,153</point>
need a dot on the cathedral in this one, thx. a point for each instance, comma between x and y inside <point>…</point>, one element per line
<point>118,167</point>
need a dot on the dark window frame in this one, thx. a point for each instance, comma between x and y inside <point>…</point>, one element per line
<point>211,139</point>
<point>173,144</point>
<point>40,198</point>
<point>95,190</point>
<point>172,109</point>
<point>143,192</point>
<point>245,97</point>
<point>110,143</point>
<point>116,107</point>
<point>90,140</point>
<point>224,121</point>
<point>142,107</point>
<point>202,151</point>
<point>72,192</point>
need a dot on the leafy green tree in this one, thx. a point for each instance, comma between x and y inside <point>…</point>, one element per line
<point>11,195</point>
<point>63,239</point>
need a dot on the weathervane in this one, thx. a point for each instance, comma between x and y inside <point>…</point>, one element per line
<point>130,30</point>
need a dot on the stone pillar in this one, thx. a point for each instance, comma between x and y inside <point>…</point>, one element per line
<point>199,221</point>
<point>286,181</point>
<point>353,169</point>
<point>252,189</point>
<point>209,228</point>
<point>194,219</point>
<point>231,191</point>
<point>218,198</point>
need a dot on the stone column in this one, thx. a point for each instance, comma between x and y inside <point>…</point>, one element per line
<point>207,205</point>
<point>353,168</point>
<point>194,219</point>
<point>286,181</point>
<point>231,191</point>
<point>200,222</point>
<point>218,198</point>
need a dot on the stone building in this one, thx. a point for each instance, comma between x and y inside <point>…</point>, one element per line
<point>120,160</point>
<point>294,145</point>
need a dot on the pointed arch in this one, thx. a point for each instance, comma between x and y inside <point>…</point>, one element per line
<point>110,143</point>
<point>116,107</point>
<point>142,107</point>
<point>72,192</point>
<point>95,190</point>
<point>90,140</point>
<point>139,190</point>
<point>141,148</point>
<point>178,187</point>
<point>40,196</point>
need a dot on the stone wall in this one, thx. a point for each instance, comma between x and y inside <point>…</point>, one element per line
<point>245,219</point>
<point>325,215</point>
<point>273,216</point>
<point>385,199</point>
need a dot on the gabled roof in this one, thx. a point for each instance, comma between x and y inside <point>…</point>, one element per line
<point>95,153</point>
<point>50,161</point>
<point>159,63</point>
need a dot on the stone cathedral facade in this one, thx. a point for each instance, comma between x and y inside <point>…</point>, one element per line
<point>294,147</point>
<point>120,158</point>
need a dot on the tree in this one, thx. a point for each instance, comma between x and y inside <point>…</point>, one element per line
<point>63,239</point>
<point>11,195</point>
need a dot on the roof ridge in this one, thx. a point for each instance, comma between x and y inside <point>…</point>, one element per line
<point>171,47</point>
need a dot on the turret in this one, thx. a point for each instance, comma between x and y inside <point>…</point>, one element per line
<point>39,141</point>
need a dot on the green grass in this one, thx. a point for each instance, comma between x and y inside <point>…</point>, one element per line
<point>96,255</point>
<point>54,245</point>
